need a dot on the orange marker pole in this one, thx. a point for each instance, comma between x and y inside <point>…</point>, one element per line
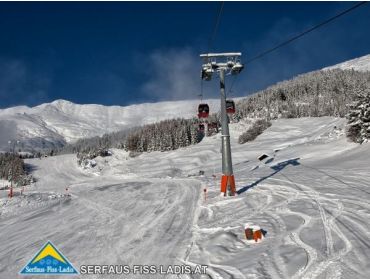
<point>11,190</point>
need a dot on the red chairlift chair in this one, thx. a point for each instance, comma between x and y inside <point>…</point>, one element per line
<point>230,106</point>
<point>203,110</point>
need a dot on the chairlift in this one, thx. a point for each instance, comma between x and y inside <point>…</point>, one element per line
<point>230,106</point>
<point>203,110</point>
<point>213,127</point>
<point>206,74</point>
<point>201,127</point>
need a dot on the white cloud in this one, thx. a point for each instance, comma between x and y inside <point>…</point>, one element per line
<point>21,85</point>
<point>175,75</point>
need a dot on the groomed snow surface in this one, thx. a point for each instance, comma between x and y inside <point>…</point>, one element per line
<point>311,196</point>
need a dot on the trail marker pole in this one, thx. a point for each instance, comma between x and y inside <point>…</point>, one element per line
<point>11,190</point>
<point>10,178</point>
<point>223,63</point>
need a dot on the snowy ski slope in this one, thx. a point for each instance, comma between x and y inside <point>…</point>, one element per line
<point>312,198</point>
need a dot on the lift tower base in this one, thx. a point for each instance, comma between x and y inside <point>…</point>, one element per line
<point>228,185</point>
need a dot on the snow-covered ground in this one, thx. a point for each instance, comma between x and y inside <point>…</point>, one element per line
<point>4,183</point>
<point>311,197</point>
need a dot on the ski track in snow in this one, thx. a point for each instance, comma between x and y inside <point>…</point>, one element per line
<point>117,221</point>
<point>151,209</point>
<point>326,262</point>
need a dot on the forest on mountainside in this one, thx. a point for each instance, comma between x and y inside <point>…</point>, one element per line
<point>12,168</point>
<point>315,94</point>
<point>338,93</point>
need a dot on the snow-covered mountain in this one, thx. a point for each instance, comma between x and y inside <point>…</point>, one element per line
<point>62,121</point>
<point>361,64</point>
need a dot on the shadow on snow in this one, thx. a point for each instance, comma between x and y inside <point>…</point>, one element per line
<point>277,168</point>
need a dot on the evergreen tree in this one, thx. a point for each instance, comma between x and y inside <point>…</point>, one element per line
<point>358,127</point>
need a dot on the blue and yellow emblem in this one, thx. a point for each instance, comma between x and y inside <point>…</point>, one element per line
<point>49,261</point>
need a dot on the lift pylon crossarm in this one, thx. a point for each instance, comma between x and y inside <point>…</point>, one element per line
<point>232,54</point>
<point>214,62</point>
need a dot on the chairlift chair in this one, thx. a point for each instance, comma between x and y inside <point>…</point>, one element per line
<point>230,106</point>
<point>203,110</point>
<point>201,127</point>
<point>213,126</point>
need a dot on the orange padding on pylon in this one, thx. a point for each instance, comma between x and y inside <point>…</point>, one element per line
<point>228,180</point>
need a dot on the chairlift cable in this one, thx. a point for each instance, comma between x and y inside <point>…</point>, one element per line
<point>232,84</point>
<point>212,39</point>
<point>298,36</point>
<point>295,37</point>
<point>201,91</point>
<point>215,28</point>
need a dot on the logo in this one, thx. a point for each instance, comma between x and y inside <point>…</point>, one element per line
<point>49,261</point>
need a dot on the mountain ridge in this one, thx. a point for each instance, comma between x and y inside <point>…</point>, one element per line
<point>361,64</point>
<point>62,121</point>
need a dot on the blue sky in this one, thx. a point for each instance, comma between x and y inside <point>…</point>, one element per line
<point>121,53</point>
